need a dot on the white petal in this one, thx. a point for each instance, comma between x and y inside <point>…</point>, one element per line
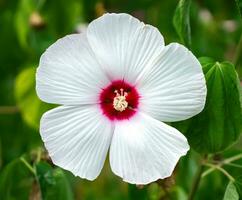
<point>69,73</point>
<point>77,139</point>
<point>124,45</point>
<point>174,87</point>
<point>144,149</point>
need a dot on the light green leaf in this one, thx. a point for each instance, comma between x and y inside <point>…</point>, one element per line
<point>25,8</point>
<point>153,191</point>
<point>181,21</point>
<point>231,192</point>
<point>219,124</point>
<point>29,104</point>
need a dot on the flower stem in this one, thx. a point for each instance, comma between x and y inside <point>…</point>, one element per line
<point>197,179</point>
<point>233,158</point>
<point>31,169</point>
<point>218,167</point>
<point>220,164</point>
<point>196,182</point>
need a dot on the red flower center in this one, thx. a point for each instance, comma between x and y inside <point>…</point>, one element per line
<point>119,100</point>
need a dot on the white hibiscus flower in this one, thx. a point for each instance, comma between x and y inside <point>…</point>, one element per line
<point>115,84</point>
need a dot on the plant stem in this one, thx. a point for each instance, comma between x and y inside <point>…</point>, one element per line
<point>233,158</point>
<point>39,151</point>
<point>220,164</point>
<point>218,167</point>
<point>233,165</point>
<point>8,109</point>
<point>231,178</point>
<point>207,172</point>
<point>196,181</point>
<point>28,165</point>
<point>238,58</point>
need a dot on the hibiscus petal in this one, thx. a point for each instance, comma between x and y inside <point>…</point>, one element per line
<point>77,139</point>
<point>144,149</point>
<point>69,73</point>
<point>124,45</point>
<point>174,88</point>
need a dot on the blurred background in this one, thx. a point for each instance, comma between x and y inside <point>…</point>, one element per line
<point>27,28</point>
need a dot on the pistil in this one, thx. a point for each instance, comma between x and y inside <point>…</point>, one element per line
<point>119,101</point>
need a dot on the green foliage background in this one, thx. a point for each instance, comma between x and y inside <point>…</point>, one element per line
<point>209,28</point>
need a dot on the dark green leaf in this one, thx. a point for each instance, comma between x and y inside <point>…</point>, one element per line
<point>60,18</point>
<point>15,181</point>
<point>219,124</point>
<point>53,183</point>
<point>29,104</point>
<point>135,192</point>
<point>231,192</point>
<point>238,185</point>
<point>62,188</point>
<point>239,6</point>
<point>181,21</point>
<point>45,177</point>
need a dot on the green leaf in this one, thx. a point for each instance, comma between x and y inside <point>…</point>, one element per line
<point>181,21</point>
<point>62,188</point>
<point>239,6</point>
<point>45,177</point>
<point>231,192</point>
<point>238,185</point>
<point>62,18</point>
<point>153,191</point>
<point>15,181</point>
<point>219,124</point>
<point>25,7</point>
<point>136,193</point>
<point>178,193</point>
<point>53,183</point>
<point>29,104</point>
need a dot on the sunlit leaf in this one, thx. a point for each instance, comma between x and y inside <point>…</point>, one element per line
<point>231,192</point>
<point>29,104</point>
<point>181,21</point>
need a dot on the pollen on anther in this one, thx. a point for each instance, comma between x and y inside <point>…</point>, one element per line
<point>119,100</point>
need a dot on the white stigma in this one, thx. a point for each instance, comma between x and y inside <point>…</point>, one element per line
<point>119,101</point>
